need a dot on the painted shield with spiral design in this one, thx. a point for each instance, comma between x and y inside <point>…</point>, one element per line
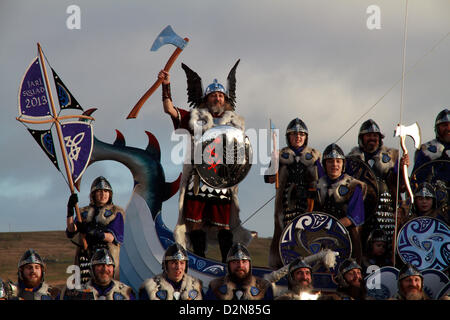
<point>226,156</point>
<point>312,232</point>
<point>425,243</point>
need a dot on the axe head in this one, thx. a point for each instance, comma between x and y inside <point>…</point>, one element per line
<point>168,36</point>
<point>413,131</point>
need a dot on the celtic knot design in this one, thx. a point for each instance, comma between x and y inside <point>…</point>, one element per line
<point>73,146</point>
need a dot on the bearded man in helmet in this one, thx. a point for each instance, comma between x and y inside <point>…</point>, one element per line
<point>102,286</point>
<point>102,223</point>
<point>410,284</point>
<point>31,275</point>
<point>173,283</point>
<point>350,281</point>
<point>384,163</point>
<point>438,148</point>
<point>341,196</point>
<point>205,213</point>
<point>299,169</point>
<point>300,285</point>
<point>239,283</point>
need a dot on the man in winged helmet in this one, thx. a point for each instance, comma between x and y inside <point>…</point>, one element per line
<point>239,283</point>
<point>31,275</point>
<point>384,163</point>
<point>173,283</point>
<point>102,223</point>
<point>299,169</point>
<point>205,212</point>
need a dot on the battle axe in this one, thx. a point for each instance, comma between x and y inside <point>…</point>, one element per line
<point>165,37</point>
<point>414,132</point>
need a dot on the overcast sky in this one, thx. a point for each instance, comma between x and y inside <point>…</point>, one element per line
<point>316,60</point>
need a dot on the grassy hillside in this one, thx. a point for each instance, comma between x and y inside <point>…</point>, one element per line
<point>58,252</point>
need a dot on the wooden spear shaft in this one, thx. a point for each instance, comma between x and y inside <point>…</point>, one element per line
<point>60,139</point>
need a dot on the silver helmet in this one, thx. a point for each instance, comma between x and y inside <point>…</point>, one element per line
<point>296,125</point>
<point>3,290</point>
<point>239,252</point>
<point>369,126</point>
<point>215,86</point>
<point>31,256</point>
<point>175,252</point>
<point>408,270</point>
<point>101,256</point>
<point>425,189</point>
<point>333,151</point>
<point>442,117</point>
<point>295,265</point>
<point>101,183</point>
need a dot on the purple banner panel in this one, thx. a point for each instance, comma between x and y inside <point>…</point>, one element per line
<point>33,99</point>
<point>79,142</point>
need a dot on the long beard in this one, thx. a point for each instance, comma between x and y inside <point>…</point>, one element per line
<point>216,109</point>
<point>415,295</point>
<point>358,293</point>
<point>298,288</point>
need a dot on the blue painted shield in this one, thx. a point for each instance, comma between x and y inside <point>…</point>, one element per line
<point>118,296</point>
<point>162,294</point>
<point>311,232</point>
<point>425,243</point>
<point>382,283</point>
<point>434,282</point>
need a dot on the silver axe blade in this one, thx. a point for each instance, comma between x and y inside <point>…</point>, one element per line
<point>413,131</point>
<point>168,36</point>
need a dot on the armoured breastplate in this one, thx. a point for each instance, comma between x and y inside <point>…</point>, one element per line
<point>381,164</point>
<point>295,191</point>
<point>333,197</point>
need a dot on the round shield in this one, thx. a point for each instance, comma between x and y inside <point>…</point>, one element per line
<point>226,156</point>
<point>382,283</point>
<point>436,172</point>
<point>434,282</point>
<point>425,243</point>
<point>311,232</point>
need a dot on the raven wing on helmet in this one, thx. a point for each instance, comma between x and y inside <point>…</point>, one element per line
<point>194,86</point>
<point>231,84</point>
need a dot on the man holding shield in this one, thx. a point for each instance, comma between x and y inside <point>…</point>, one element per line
<point>205,212</point>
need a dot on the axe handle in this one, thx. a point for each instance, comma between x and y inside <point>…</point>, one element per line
<point>405,170</point>
<point>134,112</point>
